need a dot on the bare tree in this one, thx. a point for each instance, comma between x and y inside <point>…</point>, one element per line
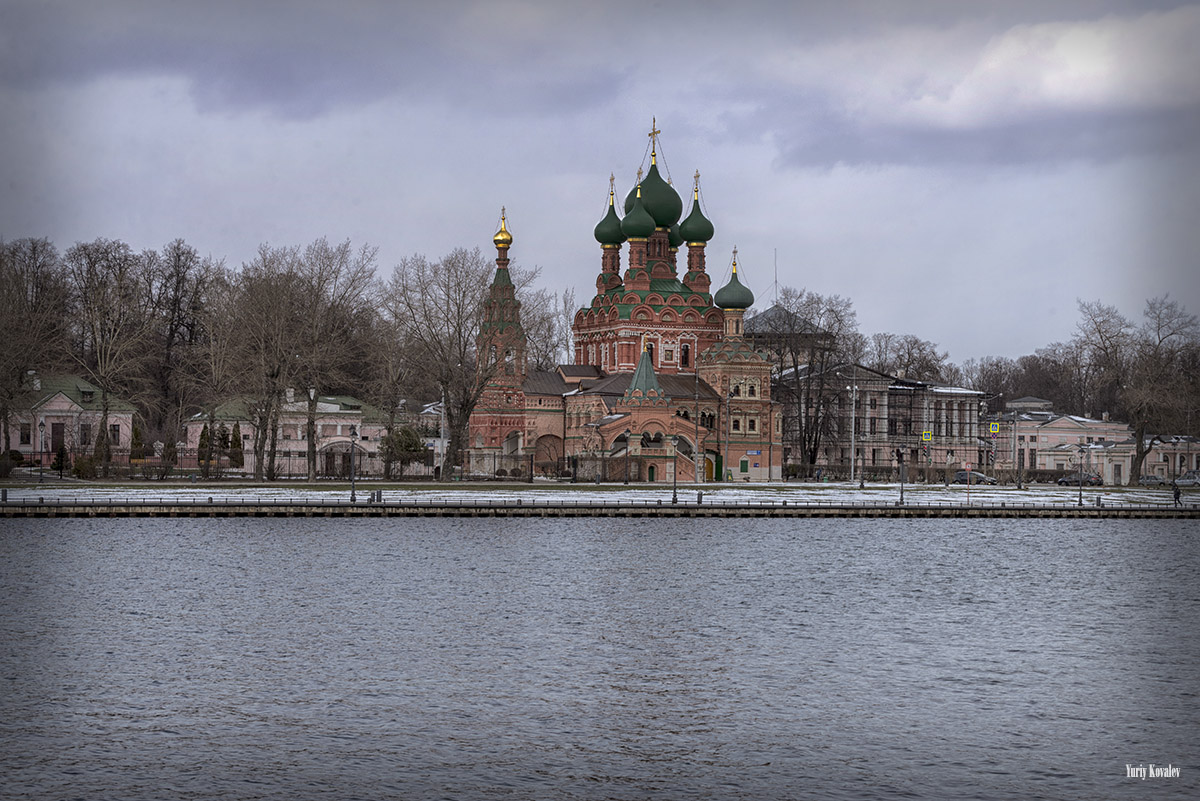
<point>546,318</point>
<point>1143,369</point>
<point>439,305</point>
<point>33,318</point>
<point>179,279</point>
<point>335,281</point>
<point>270,302</point>
<point>807,334</point>
<point>213,366</point>
<point>112,321</point>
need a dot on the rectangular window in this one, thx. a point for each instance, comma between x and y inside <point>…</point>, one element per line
<point>873,403</point>
<point>1033,458</point>
<point>669,355</point>
<point>737,425</point>
<point>873,419</point>
<point>752,424</point>
<point>1032,438</point>
<point>85,434</point>
<point>26,433</point>
<point>114,435</point>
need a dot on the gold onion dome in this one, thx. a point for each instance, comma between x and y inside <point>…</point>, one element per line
<point>503,238</point>
<point>734,295</point>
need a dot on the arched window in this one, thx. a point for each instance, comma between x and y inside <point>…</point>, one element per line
<point>650,350</point>
<point>685,354</point>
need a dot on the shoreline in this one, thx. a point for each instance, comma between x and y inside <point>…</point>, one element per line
<point>212,507</point>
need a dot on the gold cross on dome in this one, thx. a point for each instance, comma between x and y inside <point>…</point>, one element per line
<point>654,128</point>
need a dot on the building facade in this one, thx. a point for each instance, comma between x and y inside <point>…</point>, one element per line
<point>850,419</point>
<point>342,423</point>
<point>664,385</point>
<point>64,414</point>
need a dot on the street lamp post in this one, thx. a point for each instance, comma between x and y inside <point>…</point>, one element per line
<point>41,448</point>
<point>627,446</point>
<point>853,389</point>
<point>1080,474</point>
<point>353,436</point>
<point>674,468</point>
<point>728,428</point>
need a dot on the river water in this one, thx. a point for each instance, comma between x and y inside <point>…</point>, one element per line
<point>598,659</point>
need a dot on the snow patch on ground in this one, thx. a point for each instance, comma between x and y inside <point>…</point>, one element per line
<point>798,493</point>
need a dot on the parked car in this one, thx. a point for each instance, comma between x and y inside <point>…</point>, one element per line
<point>1189,479</point>
<point>1152,481</point>
<point>1089,479</point>
<point>972,477</point>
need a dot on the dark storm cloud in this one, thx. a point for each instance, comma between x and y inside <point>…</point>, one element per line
<point>820,136</point>
<point>294,60</point>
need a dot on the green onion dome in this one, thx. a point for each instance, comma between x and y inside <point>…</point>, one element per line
<point>660,199</point>
<point>674,238</point>
<point>734,295</point>
<point>637,223</point>
<point>696,228</point>
<point>608,231</point>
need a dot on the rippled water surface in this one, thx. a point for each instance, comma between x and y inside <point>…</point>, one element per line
<point>598,659</point>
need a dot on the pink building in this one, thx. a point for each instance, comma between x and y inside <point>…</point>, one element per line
<point>340,420</point>
<point>64,413</point>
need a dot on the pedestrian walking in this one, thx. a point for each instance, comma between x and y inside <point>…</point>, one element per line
<point>1175,492</point>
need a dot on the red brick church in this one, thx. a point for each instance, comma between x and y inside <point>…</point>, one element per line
<point>664,384</point>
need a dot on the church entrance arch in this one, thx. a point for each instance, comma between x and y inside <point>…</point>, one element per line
<point>652,473</point>
<point>548,454</point>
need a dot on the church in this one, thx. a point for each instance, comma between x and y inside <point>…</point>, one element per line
<point>664,387</point>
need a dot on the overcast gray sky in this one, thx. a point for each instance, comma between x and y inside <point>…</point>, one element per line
<point>963,171</point>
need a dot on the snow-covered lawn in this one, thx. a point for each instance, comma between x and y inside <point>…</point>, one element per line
<point>544,491</point>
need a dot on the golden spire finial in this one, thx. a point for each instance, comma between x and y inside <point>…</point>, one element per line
<point>654,132</point>
<point>612,182</point>
<point>696,186</point>
<point>735,259</point>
